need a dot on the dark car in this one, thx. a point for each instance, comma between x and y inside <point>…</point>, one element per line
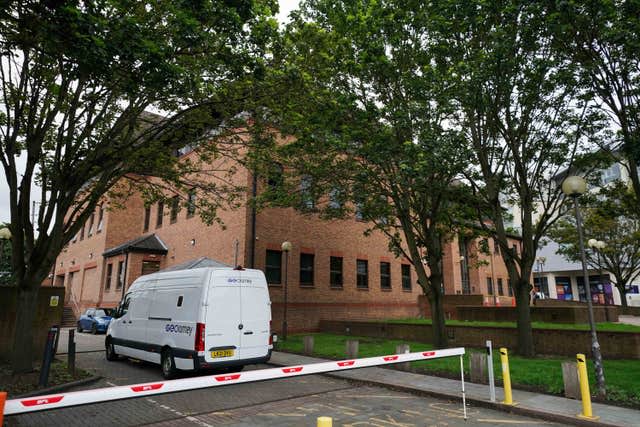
<point>94,320</point>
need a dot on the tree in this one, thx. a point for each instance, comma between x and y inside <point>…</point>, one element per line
<point>369,116</point>
<point>76,79</point>
<point>610,215</point>
<point>603,38</point>
<point>525,118</point>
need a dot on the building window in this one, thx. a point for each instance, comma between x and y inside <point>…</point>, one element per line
<point>563,288</point>
<point>489,286</point>
<point>500,289</point>
<point>160,214</point>
<point>150,267</point>
<point>273,267</point>
<point>275,177</point>
<point>362,271</point>
<point>175,205</point>
<point>335,199</point>
<point>100,219</point>
<point>611,174</point>
<point>306,194</point>
<point>120,278</point>
<point>510,289</point>
<point>406,277</point>
<point>107,281</point>
<point>306,269</point>
<point>82,233</point>
<point>541,284</point>
<point>147,218</point>
<point>385,275</point>
<point>359,214</point>
<point>496,247</point>
<point>335,272</point>
<point>191,203</point>
<point>91,220</point>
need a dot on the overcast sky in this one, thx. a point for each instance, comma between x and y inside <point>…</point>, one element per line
<point>286,6</point>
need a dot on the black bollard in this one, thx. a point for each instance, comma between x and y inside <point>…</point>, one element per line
<point>48,357</point>
<point>71,353</point>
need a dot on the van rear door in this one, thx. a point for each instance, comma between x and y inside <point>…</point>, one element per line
<point>256,315</point>
<point>222,318</point>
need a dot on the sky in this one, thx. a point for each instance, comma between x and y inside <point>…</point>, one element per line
<point>286,6</point>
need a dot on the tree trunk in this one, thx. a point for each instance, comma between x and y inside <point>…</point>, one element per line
<point>525,333</point>
<point>623,295</point>
<point>27,299</point>
<point>439,332</point>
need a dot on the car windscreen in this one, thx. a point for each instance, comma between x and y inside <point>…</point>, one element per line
<point>100,313</point>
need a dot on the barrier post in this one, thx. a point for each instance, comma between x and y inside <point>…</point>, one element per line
<point>324,422</point>
<point>506,376</point>
<point>3,398</point>
<point>583,378</point>
<point>492,384</point>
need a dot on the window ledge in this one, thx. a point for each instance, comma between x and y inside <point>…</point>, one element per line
<point>337,287</point>
<point>363,289</point>
<point>307,286</point>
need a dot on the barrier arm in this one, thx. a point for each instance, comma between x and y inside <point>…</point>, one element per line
<point>62,400</point>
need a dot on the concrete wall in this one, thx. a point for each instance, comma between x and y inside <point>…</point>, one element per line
<point>46,316</point>
<point>614,345</point>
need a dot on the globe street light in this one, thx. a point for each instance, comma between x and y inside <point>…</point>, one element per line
<point>286,248</point>
<point>574,187</point>
<point>5,234</point>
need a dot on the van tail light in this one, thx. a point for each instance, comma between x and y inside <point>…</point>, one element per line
<point>199,337</point>
<point>270,334</point>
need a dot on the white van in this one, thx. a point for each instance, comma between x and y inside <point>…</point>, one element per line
<point>214,317</point>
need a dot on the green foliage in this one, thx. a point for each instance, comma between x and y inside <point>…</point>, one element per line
<point>611,216</point>
<point>77,79</point>
<point>602,38</point>
<point>541,373</point>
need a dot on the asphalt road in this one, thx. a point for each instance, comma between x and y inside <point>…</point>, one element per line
<point>288,402</point>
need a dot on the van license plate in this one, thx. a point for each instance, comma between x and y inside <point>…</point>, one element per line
<point>221,353</point>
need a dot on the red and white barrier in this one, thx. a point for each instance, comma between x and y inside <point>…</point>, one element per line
<point>61,400</point>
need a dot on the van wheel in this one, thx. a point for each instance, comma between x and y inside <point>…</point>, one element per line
<point>111,352</point>
<point>78,327</point>
<point>94,329</point>
<point>168,365</point>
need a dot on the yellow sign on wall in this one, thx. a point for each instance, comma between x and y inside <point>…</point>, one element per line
<point>54,300</point>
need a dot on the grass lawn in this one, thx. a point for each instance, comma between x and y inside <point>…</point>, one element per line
<point>542,373</point>
<point>606,326</point>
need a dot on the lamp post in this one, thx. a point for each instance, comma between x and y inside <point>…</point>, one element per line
<point>286,248</point>
<point>541,260</point>
<point>574,187</point>
<point>598,246</point>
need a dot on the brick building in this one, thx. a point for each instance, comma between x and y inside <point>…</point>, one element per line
<point>333,271</point>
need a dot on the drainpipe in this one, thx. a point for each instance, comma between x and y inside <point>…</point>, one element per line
<point>126,265</point>
<point>252,243</point>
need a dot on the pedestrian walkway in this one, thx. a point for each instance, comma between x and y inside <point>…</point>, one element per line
<point>552,408</point>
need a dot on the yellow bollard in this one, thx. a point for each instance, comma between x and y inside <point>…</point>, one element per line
<point>3,398</point>
<point>506,377</point>
<point>583,379</point>
<point>324,422</point>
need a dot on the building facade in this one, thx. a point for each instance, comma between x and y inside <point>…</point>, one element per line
<point>333,271</point>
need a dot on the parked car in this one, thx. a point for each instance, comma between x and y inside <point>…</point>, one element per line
<point>94,320</point>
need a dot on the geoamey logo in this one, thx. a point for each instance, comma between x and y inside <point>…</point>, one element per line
<point>178,329</point>
<point>241,281</point>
